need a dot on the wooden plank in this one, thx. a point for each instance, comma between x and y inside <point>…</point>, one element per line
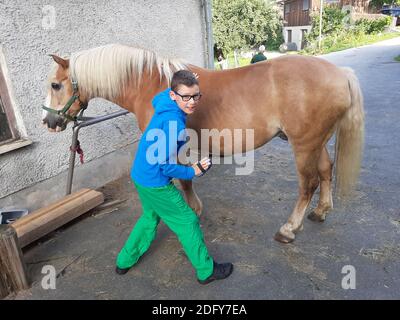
<point>41,222</point>
<point>12,267</point>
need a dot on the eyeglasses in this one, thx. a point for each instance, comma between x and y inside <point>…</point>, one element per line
<point>187,98</point>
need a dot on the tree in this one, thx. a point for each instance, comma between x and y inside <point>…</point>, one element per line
<point>241,24</point>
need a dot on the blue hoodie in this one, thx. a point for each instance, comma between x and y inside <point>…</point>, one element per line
<point>155,163</point>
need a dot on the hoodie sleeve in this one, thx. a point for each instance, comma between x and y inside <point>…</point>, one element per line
<point>168,166</point>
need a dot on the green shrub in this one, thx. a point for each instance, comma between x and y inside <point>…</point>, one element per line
<point>275,41</point>
<point>339,33</point>
<point>332,21</point>
<point>380,25</point>
<point>361,26</point>
<point>373,26</point>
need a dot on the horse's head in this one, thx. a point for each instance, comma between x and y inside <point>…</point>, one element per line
<point>63,102</point>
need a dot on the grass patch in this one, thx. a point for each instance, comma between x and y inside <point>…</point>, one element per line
<point>242,61</point>
<point>397,58</point>
<point>339,43</point>
<point>231,61</point>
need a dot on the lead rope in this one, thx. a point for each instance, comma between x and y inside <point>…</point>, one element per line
<point>78,150</point>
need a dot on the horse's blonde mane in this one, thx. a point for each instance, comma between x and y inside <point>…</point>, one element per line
<point>105,71</point>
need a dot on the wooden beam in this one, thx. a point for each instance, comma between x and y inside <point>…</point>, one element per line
<point>12,267</point>
<point>41,222</point>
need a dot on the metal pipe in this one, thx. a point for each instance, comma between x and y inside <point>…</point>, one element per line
<point>320,24</point>
<point>102,118</point>
<point>207,6</point>
<point>76,128</point>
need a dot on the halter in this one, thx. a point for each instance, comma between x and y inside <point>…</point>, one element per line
<point>63,111</point>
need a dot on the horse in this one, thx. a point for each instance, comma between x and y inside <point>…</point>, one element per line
<point>304,99</point>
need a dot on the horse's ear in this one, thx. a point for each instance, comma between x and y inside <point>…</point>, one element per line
<point>62,62</point>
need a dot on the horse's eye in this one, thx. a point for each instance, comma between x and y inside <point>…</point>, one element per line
<point>56,86</point>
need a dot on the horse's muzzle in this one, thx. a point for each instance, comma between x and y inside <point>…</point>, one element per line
<point>54,122</point>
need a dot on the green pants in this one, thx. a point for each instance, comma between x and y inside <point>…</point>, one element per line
<point>168,204</point>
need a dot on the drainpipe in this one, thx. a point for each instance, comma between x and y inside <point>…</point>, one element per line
<point>207,8</point>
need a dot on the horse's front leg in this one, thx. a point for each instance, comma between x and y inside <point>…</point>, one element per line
<point>191,197</point>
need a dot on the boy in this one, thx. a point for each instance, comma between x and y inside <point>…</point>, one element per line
<point>152,178</point>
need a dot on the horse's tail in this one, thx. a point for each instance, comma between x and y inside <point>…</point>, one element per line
<point>350,139</point>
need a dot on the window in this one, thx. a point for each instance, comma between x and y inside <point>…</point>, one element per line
<point>5,132</point>
<point>289,36</point>
<point>10,137</point>
<point>287,8</point>
<point>6,129</point>
<point>306,5</point>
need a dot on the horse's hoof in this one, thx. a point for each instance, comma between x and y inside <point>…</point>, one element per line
<point>316,217</point>
<point>282,238</point>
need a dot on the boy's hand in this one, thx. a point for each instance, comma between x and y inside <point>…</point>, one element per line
<point>196,75</point>
<point>205,164</point>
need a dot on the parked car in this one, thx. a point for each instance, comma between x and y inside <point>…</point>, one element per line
<point>390,10</point>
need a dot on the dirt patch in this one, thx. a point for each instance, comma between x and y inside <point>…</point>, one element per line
<point>382,254</point>
<point>120,189</point>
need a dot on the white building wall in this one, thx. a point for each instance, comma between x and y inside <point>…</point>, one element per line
<point>172,28</point>
<point>296,34</point>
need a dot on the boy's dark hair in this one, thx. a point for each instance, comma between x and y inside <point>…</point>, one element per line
<point>184,77</point>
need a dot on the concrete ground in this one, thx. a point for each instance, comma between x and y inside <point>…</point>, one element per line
<point>241,215</point>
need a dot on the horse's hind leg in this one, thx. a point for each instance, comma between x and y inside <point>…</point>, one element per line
<point>325,198</point>
<point>191,197</point>
<point>307,170</point>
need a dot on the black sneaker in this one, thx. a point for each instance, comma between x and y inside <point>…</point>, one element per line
<point>121,271</point>
<point>221,271</point>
